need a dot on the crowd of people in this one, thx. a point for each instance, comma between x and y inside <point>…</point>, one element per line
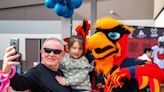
<point>61,71</point>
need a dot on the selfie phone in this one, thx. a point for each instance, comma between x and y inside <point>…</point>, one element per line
<point>15,42</point>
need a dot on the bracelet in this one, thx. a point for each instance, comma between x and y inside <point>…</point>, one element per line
<point>12,72</point>
<point>5,78</point>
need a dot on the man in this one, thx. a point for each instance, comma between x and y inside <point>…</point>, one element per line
<point>158,52</point>
<point>42,77</point>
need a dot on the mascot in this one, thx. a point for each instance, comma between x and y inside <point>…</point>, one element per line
<point>158,52</point>
<point>114,71</point>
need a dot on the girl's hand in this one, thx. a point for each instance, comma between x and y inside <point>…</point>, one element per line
<point>61,80</point>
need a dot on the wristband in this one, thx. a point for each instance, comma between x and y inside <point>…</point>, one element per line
<point>5,79</point>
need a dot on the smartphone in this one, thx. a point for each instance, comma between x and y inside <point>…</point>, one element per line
<point>15,42</point>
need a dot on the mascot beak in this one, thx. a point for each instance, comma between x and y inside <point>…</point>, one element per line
<point>95,40</point>
<point>105,46</point>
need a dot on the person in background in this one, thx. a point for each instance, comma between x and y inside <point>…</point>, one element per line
<point>147,56</point>
<point>40,78</point>
<point>75,66</point>
<point>158,52</point>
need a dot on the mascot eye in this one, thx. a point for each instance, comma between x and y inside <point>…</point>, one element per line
<point>114,35</point>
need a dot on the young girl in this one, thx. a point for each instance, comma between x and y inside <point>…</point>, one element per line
<point>75,66</point>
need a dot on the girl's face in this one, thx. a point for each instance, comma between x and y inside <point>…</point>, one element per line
<point>76,51</point>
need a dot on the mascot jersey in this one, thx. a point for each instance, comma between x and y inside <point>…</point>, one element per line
<point>158,55</point>
<point>114,71</point>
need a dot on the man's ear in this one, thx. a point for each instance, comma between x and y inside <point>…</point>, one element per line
<point>41,50</point>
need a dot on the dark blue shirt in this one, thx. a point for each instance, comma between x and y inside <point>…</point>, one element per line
<point>38,79</point>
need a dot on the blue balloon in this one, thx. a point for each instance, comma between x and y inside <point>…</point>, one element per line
<point>69,13</point>
<point>61,9</point>
<point>64,2</point>
<point>59,1</point>
<point>49,3</point>
<point>58,9</point>
<point>65,9</point>
<point>73,4</point>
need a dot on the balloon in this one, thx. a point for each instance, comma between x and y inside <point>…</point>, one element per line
<point>49,3</point>
<point>69,13</point>
<point>64,2</point>
<point>73,4</point>
<point>59,1</point>
<point>65,9</point>
<point>61,9</point>
<point>58,9</point>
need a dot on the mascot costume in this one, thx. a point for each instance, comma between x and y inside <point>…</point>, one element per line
<point>114,71</point>
<point>158,52</point>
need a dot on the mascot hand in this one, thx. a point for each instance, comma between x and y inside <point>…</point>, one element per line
<point>160,56</point>
<point>119,75</point>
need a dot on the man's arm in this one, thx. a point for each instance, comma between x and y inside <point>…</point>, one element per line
<point>19,83</point>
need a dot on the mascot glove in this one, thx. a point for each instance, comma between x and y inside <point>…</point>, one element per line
<point>160,56</point>
<point>119,75</point>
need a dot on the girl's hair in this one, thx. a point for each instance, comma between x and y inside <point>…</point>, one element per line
<point>75,38</point>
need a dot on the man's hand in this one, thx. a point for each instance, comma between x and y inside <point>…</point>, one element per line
<point>8,59</point>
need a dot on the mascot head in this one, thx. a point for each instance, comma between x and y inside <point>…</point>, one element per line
<point>108,44</point>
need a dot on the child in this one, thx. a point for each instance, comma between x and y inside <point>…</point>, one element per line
<point>75,66</point>
<point>147,56</point>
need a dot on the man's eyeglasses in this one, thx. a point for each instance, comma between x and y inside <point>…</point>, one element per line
<point>55,51</point>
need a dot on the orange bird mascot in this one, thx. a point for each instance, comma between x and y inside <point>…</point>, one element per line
<point>114,71</point>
